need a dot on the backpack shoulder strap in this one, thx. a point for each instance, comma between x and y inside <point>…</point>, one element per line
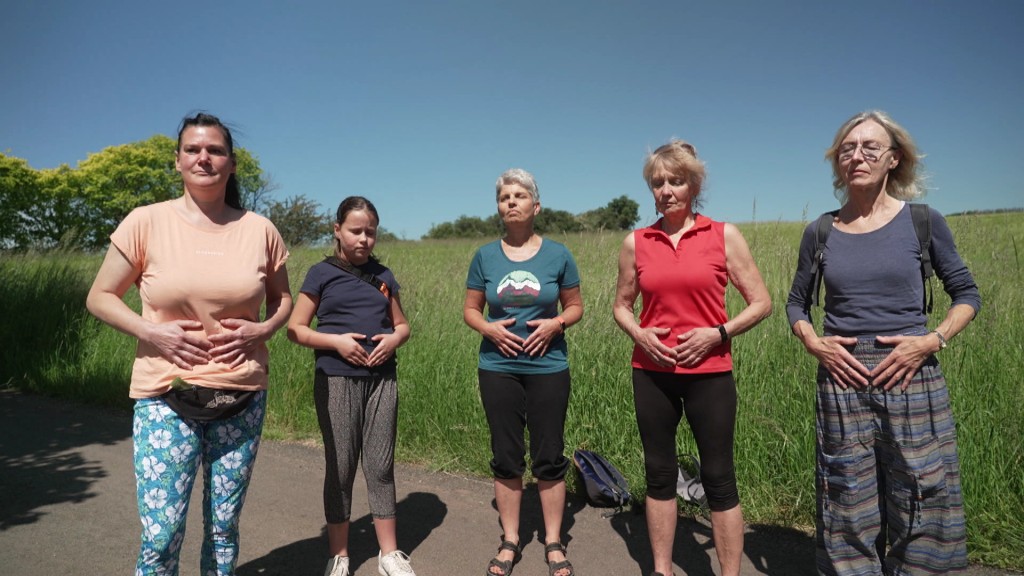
<point>822,230</point>
<point>921,216</point>
<point>364,276</point>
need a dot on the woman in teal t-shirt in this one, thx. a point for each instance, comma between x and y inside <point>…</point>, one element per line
<point>524,368</point>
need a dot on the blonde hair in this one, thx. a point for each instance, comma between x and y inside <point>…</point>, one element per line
<point>906,182</point>
<point>679,158</point>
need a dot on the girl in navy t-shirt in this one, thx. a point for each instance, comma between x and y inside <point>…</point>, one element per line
<point>360,325</point>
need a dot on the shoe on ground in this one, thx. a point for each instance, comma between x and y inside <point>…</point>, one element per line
<point>394,564</point>
<point>337,566</point>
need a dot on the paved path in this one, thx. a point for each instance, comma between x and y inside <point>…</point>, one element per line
<point>67,507</point>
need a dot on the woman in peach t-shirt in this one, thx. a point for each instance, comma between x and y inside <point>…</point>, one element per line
<point>203,267</point>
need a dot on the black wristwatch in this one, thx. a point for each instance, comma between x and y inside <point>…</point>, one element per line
<point>725,335</point>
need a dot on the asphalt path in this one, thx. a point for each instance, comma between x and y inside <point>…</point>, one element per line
<point>67,506</point>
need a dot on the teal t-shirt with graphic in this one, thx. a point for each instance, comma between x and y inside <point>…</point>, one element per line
<point>525,291</point>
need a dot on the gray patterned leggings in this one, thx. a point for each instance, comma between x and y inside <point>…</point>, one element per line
<point>358,416</point>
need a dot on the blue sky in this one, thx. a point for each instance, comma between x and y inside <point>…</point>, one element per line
<point>421,105</point>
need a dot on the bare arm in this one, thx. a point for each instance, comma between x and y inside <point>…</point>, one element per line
<point>696,344</point>
<point>745,276</point>
<point>299,331</point>
<point>626,291</point>
<point>172,339</point>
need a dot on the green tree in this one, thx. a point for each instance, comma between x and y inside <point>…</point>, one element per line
<point>300,221</point>
<point>256,186</point>
<point>622,213</point>
<point>466,227</point>
<point>120,178</point>
<point>63,217</point>
<point>19,189</point>
<point>619,214</point>
<point>554,221</point>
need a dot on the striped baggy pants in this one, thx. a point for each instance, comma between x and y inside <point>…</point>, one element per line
<point>888,477</point>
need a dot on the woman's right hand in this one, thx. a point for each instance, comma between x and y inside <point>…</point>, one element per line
<point>509,344</point>
<point>649,340</point>
<point>179,343</point>
<point>831,352</point>
<point>351,349</point>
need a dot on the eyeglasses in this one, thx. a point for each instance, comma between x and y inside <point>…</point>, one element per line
<point>871,151</point>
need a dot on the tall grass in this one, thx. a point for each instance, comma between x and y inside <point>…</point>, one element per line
<point>51,345</point>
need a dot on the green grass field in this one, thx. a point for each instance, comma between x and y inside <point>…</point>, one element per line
<point>50,345</point>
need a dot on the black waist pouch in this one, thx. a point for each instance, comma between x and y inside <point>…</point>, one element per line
<point>199,403</point>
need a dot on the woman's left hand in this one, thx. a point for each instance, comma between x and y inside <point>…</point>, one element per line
<point>541,335</point>
<point>695,345</point>
<point>902,363</point>
<point>237,343</point>
<point>385,345</point>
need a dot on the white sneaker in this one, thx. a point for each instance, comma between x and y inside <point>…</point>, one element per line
<point>337,566</point>
<point>394,564</point>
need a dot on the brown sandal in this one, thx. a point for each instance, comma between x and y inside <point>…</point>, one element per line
<point>504,565</point>
<point>563,565</point>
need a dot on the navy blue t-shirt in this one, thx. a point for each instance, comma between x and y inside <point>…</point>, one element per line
<point>349,304</point>
<point>873,280</point>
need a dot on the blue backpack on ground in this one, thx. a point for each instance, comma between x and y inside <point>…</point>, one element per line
<point>606,487</point>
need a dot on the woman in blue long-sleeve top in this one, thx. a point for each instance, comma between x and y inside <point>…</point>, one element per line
<point>888,476</point>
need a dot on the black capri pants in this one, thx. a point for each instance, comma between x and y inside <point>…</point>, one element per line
<point>709,402</point>
<point>513,402</point>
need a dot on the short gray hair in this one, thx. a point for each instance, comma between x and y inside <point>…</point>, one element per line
<point>517,176</point>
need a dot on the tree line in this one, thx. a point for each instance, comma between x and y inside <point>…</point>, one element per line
<point>619,214</point>
<point>77,208</point>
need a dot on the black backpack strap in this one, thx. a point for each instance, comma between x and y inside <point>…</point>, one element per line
<point>822,230</point>
<point>370,279</point>
<point>364,276</point>
<point>921,216</point>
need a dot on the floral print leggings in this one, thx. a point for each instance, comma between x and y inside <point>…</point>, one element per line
<point>168,450</point>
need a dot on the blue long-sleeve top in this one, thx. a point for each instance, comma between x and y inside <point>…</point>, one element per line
<point>873,280</point>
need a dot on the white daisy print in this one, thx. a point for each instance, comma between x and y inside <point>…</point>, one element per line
<point>151,527</point>
<point>174,514</point>
<point>182,484</point>
<point>224,511</point>
<point>155,413</point>
<point>228,433</point>
<point>181,452</point>
<point>231,460</point>
<point>155,498</point>
<point>152,468</point>
<point>160,439</point>
<point>222,485</point>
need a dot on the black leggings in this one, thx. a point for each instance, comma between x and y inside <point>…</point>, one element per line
<point>515,401</point>
<point>709,401</point>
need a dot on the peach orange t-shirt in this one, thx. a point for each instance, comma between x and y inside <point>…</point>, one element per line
<point>189,273</point>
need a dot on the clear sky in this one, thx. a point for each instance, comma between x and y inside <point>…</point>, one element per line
<point>421,105</point>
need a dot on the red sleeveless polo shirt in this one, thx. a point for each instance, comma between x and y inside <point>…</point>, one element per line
<point>683,287</point>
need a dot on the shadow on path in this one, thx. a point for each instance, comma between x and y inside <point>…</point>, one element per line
<point>419,514</point>
<point>41,466</point>
<point>770,549</point>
